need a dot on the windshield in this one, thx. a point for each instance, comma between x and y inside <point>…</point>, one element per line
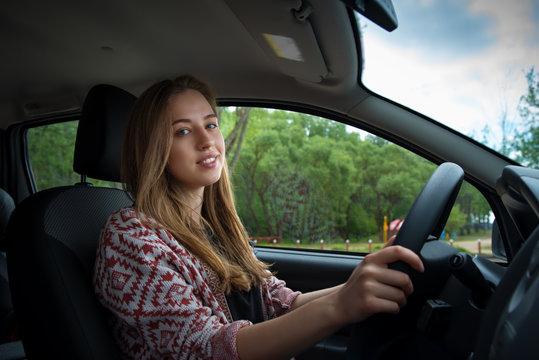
<point>472,65</point>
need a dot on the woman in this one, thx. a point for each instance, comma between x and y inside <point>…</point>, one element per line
<point>176,269</point>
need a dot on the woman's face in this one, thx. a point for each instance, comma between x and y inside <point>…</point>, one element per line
<point>197,154</point>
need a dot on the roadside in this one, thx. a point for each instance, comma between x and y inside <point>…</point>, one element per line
<point>480,245</point>
<point>469,244</point>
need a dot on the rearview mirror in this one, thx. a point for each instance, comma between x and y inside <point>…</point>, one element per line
<point>380,12</point>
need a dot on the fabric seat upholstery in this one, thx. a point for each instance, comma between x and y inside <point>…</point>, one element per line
<point>7,317</point>
<point>52,239</point>
<point>10,348</point>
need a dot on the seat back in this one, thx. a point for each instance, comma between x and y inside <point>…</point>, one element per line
<point>52,240</point>
<point>7,316</point>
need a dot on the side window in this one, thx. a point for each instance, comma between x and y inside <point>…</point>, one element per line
<point>302,181</point>
<point>50,153</point>
<point>307,182</point>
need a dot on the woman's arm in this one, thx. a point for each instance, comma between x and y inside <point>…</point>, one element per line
<point>303,299</point>
<point>372,288</point>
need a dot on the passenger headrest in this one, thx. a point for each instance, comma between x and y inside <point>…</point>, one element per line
<point>100,132</point>
<point>7,205</point>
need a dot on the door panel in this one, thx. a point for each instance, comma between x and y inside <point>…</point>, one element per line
<point>308,270</point>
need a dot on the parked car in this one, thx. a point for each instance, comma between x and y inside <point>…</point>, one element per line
<point>322,144</point>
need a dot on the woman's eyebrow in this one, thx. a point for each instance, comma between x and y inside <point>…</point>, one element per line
<point>209,116</point>
<point>180,121</point>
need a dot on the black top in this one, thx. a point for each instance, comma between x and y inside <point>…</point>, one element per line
<point>243,305</point>
<point>246,305</point>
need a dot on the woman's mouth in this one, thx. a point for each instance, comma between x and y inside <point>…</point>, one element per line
<point>208,162</point>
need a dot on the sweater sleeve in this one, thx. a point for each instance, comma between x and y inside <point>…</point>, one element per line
<point>162,307</point>
<point>280,296</point>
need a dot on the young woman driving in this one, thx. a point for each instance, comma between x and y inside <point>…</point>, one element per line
<point>176,269</point>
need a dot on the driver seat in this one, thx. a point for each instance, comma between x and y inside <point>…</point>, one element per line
<point>52,239</point>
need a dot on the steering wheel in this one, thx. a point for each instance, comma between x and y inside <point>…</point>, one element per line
<point>430,210</point>
<point>375,337</point>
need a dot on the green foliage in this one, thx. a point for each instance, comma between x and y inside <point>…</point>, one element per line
<point>477,210</point>
<point>360,222</point>
<point>50,151</point>
<point>527,141</point>
<point>304,177</point>
<point>457,220</point>
<point>297,177</point>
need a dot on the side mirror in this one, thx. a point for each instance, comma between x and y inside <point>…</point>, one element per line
<point>380,12</point>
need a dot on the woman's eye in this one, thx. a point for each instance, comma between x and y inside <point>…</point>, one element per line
<point>182,132</point>
<point>212,126</point>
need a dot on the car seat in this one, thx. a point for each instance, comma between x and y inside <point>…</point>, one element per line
<point>7,316</point>
<point>52,239</point>
<point>10,347</point>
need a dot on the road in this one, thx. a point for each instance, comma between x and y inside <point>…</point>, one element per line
<point>472,246</point>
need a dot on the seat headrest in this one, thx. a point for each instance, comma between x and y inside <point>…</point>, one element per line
<point>7,205</point>
<point>100,132</point>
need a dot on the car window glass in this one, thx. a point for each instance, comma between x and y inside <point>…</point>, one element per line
<point>306,182</point>
<point>50,153</point>
<point>302,181</point>
<point>454,65</point>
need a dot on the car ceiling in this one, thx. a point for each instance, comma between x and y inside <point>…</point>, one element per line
<point>54,51</point>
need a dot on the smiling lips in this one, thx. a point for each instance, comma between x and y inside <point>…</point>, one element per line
<point>209,161</point>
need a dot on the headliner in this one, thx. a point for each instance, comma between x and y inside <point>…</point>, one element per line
<point>54,51</point>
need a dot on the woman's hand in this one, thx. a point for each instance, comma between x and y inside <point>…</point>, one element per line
<point>374,288</point>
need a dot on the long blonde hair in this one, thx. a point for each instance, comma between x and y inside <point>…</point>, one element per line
<point>145,150</point>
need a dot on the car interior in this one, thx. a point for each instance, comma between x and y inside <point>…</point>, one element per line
<point>89,62</point>
<point>62,240</point>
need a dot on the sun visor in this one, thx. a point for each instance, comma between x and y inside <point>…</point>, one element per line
<point>285,34</point>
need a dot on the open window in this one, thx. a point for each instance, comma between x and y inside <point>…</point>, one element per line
<point>303,181</point>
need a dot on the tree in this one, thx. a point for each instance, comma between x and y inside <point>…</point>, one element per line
<point>294,175</point>
<point>527,141</point>
<point>507,129</point>
<point>234,140</point>
<point>328,172</point>
<point>474,206</point>
<point>50,150</point>
<point>391,179</point>
<point>456,221</point>
<point>303,177</point>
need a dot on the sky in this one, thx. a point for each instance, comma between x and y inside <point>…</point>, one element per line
<point>461,62</point>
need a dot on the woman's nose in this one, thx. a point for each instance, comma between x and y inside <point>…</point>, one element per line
<point>205,140</point>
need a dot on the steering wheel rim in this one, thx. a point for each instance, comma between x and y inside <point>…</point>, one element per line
<point>429,212</point>
<point>374,337</point>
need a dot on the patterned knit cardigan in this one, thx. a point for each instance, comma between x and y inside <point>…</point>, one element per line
<point>166,303</point>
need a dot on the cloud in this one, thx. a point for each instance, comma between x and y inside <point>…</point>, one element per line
<point>489,45</point>
<point>513,21</point>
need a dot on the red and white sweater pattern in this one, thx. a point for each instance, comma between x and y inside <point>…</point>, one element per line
<point>165,302</point>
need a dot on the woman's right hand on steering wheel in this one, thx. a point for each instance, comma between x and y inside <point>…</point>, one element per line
<point>374,288</point>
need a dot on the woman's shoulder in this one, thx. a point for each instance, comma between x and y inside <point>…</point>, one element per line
<point>128,217</point>
<point>133,232</point>
<point>137,227</point>
<point>126,226</point>
<point>122,217</point>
